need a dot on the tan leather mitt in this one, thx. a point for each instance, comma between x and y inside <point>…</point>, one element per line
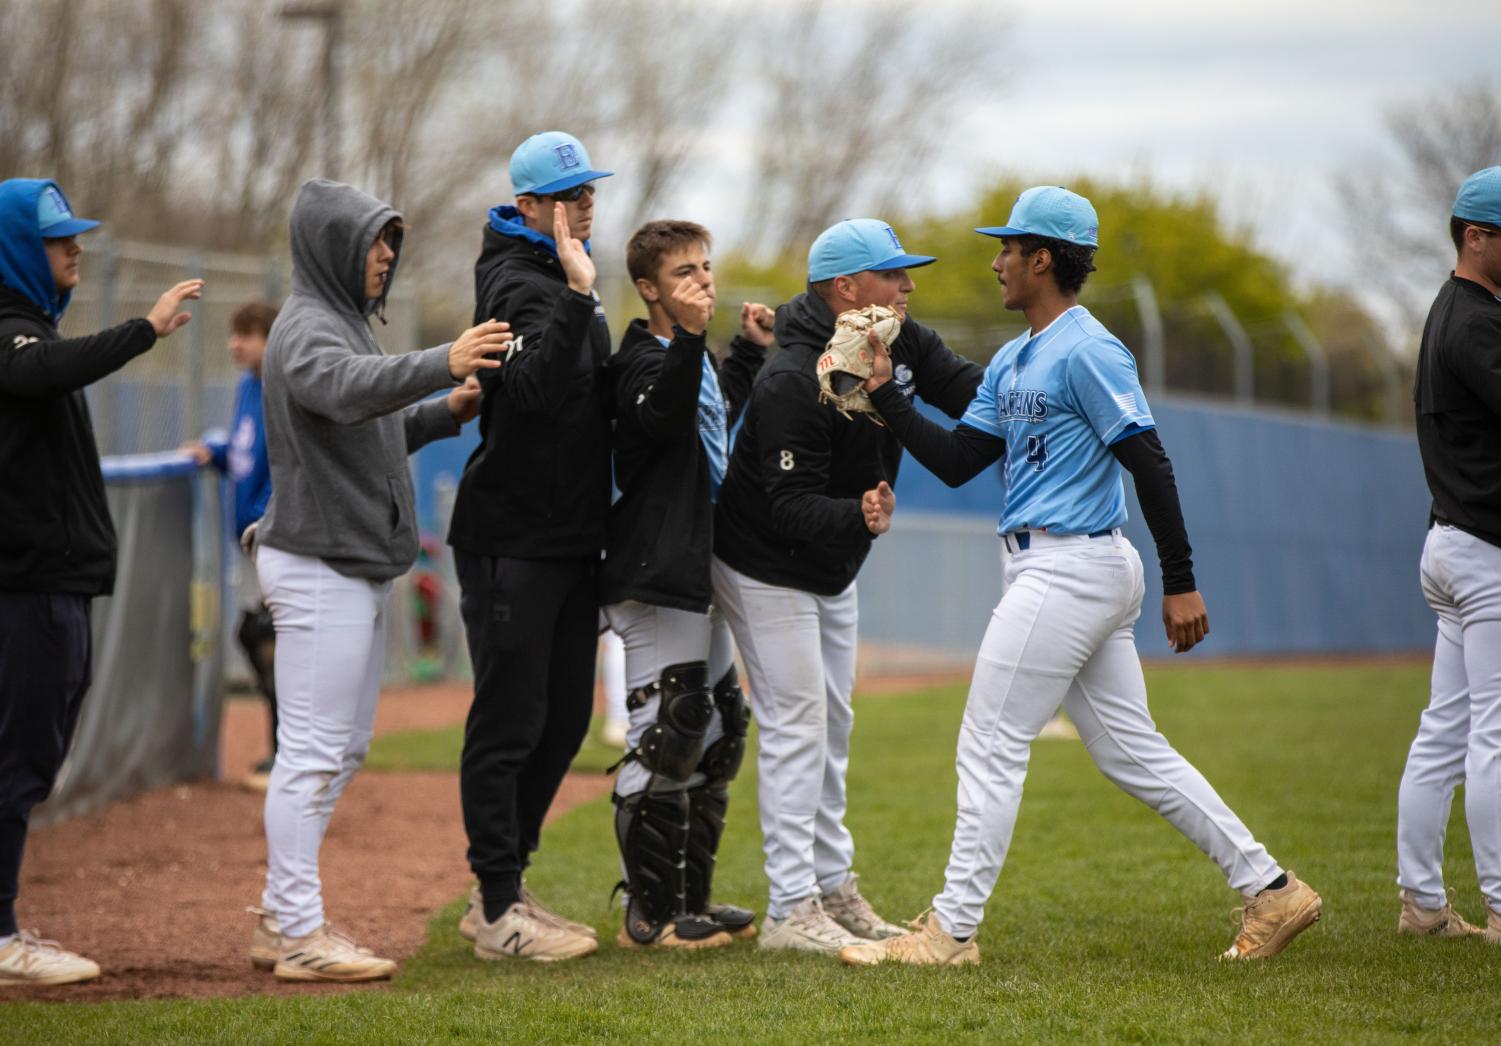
<point>848,360</point>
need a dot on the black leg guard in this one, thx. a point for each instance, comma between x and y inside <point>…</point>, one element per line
<point>652,829</point>
<point>708,805</point>
<point>674,744</point>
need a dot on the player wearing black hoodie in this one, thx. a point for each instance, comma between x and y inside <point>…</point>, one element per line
<point>528,527</point>
<point>57,542</point>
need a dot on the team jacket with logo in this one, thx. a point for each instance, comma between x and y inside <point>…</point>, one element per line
<point>538,485</point>
<point>661,528</point>
<point>1458,399</point>
<point>55,529</point>
<point>789,511</point>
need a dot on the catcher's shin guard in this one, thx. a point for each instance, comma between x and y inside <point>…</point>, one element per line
<point>722,759</point>
<point>707,805</point>
<point>674,744</point>
<point>652,829</point>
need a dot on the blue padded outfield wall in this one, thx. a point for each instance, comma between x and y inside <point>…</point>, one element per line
<point>1306,539</point>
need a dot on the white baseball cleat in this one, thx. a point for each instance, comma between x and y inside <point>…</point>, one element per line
<point>852,911</point>
<point>28,959</point>
<point>807,928</point>
<point>328,955</point>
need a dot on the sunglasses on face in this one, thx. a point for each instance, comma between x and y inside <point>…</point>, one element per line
<point>570,195</point>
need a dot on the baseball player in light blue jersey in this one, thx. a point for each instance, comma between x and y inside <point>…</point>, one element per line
<point>1063,406</point>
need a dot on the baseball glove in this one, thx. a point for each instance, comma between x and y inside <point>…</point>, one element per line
<point>848,360</point>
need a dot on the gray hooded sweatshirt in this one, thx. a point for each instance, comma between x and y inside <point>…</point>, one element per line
<point>341,415</point>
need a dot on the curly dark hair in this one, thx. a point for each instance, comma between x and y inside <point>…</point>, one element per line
<point>1072,263</point>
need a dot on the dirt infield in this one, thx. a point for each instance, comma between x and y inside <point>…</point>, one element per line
<point>155,888</point>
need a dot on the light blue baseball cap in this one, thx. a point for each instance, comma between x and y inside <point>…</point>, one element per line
<point>1479,198</point>
<point>1054,212</point>
<point>54,218</point>
<point>551,162</point>
<point>859,245</point>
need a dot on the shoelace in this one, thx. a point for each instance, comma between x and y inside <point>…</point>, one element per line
<point>32,941</point>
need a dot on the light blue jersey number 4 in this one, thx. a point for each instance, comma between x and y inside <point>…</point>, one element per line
<point>1060,398</point>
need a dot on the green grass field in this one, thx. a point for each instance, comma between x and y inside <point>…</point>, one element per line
<point>1105,925</point>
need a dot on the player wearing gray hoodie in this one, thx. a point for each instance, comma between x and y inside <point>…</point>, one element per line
<point>341,418</point>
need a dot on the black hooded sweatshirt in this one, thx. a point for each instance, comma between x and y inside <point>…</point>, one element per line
<point>661,528</point>
<point>55,529</point>
<point>538,485</point>
<point>789,510</point>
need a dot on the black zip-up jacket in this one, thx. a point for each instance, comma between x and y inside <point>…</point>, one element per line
<point>661,527</point>
<point>1457,393</point>
<point>789,510</point>
<point>55,530</point>
<point>538,485</point>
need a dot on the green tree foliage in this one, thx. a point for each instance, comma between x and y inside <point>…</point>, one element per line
<point>1183,245</point>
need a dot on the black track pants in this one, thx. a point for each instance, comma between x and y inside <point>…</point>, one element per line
<point>532,627</point>
<point>45,653</point>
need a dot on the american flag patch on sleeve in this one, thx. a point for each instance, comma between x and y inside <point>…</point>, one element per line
<point>1126,401</point>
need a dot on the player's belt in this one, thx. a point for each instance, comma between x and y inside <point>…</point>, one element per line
<point>1021,540</point>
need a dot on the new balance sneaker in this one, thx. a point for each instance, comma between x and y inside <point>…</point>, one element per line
<point>265,940</point>
<point>1492,925</point>
<point>28,959</point>
<point>522,934</point>
<point>1271,919</point>
<point>1432,922</point>
<point>685,933</point>
<point>328,955</point>
<point>475,910</point>
<point>926,945</point>
<point>739,923</point>
<point>807,928</point>
<point>852,911</point>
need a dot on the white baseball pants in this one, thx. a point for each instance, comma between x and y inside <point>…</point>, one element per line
<point>330,648</point>
<point>1063,634</point>
<point>1459,735</point>
<point>799,651</point>
<point>656,637</point>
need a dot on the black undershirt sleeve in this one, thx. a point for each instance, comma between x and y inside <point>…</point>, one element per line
<point>956,456</point>
<point>1142,456</point>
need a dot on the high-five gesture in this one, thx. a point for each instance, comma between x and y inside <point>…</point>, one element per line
<point>577,265</point>
<point>757,324</point>
<point>471,350</point>
<point>880,367</point>
<point>878,504</point>
<point>164,315</point>
<point>692,306</point>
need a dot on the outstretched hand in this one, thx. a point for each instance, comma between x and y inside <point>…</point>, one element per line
<point>877,505</point>
<point>577,265</point>
<point>164,315</point>
<point>471,351</point>
<point>1186,620</point>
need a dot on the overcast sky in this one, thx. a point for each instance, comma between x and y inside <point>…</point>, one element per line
<point>1265,100</point>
